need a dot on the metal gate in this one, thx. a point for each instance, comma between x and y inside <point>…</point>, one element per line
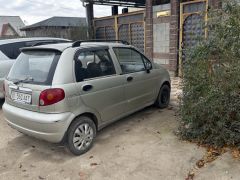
<point>129,27</point>
<point>193,16</point>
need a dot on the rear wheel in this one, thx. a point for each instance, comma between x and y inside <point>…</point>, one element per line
<point>163,97</point>
<point>81,135</point>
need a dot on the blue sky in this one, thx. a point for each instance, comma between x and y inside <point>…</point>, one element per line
<point>32,11</point>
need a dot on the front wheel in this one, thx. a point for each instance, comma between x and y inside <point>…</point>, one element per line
<point>81,135</point>
<point>163,97</point>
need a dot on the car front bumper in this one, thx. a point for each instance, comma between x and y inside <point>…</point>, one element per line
<point>49,127</point>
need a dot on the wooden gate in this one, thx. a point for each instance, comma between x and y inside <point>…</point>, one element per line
<point>129,27</point>
<point>193,15</point>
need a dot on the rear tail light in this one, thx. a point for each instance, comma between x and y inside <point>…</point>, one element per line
<point>51,96</point>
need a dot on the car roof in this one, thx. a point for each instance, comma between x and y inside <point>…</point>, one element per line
<point>62,46</point>
<point>9,41</point>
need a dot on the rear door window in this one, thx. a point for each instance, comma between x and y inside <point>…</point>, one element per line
<point>92,64</point>
<point>35,67</point>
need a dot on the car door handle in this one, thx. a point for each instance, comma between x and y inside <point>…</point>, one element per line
<point>87,87</point>
<point>129,78</point>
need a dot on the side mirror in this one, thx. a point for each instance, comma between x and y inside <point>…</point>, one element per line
<point>148,67</point>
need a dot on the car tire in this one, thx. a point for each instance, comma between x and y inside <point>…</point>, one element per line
<point>81,135</point>
<point>163,98</point>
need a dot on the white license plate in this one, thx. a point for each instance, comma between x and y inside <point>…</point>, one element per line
<point>21,97</point>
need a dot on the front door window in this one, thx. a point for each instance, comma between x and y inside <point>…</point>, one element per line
<point>130,60</point>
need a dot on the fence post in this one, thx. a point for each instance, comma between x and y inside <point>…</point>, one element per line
<point>90,17</point>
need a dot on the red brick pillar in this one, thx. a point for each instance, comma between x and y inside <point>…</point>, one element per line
<point>149,29</point>
<point>174,36</point>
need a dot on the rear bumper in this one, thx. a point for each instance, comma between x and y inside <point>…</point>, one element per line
<point>49,127</point>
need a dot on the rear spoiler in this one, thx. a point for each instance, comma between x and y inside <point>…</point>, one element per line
<point>39,49</point>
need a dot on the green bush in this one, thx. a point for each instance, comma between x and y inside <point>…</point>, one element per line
<point>210,106</point>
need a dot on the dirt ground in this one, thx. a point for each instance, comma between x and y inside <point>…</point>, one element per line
<point>140,147</point>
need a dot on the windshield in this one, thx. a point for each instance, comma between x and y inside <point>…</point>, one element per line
<point>35,67</point>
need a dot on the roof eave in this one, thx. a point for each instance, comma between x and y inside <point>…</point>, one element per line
<point>125,3</point>
<point>31,28</point>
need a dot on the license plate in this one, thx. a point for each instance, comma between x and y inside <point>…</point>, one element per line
<point>21,97</point>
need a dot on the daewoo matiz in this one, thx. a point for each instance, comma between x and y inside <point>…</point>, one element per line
<point>67,92</point>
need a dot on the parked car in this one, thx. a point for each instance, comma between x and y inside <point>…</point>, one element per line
<point>10,49</point>
<point>67,92</point>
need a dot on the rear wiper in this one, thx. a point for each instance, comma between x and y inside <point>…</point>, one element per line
<point>27,79</point>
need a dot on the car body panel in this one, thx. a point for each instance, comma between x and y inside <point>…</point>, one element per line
<point>65,64</point>
<point>5,67</point>
<point>50,127</point>
<point>1,88</point>
<point>106,96</point>
<point>141,90</point>
<point>3,56</point>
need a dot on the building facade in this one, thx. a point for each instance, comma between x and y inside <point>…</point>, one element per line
<point>170,26</point>
<point>10,27</point>
<point>73,28</point>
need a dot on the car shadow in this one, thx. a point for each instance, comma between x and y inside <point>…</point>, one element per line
<point>132,119</point>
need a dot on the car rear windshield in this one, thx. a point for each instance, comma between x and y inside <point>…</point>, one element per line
<point>35,67</point>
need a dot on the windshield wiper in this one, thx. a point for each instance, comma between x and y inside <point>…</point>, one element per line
<point>26,80</point>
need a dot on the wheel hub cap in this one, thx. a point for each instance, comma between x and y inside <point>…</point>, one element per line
<point>83,136</point>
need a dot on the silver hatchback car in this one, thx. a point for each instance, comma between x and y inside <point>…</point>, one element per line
<point>67,92</point>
